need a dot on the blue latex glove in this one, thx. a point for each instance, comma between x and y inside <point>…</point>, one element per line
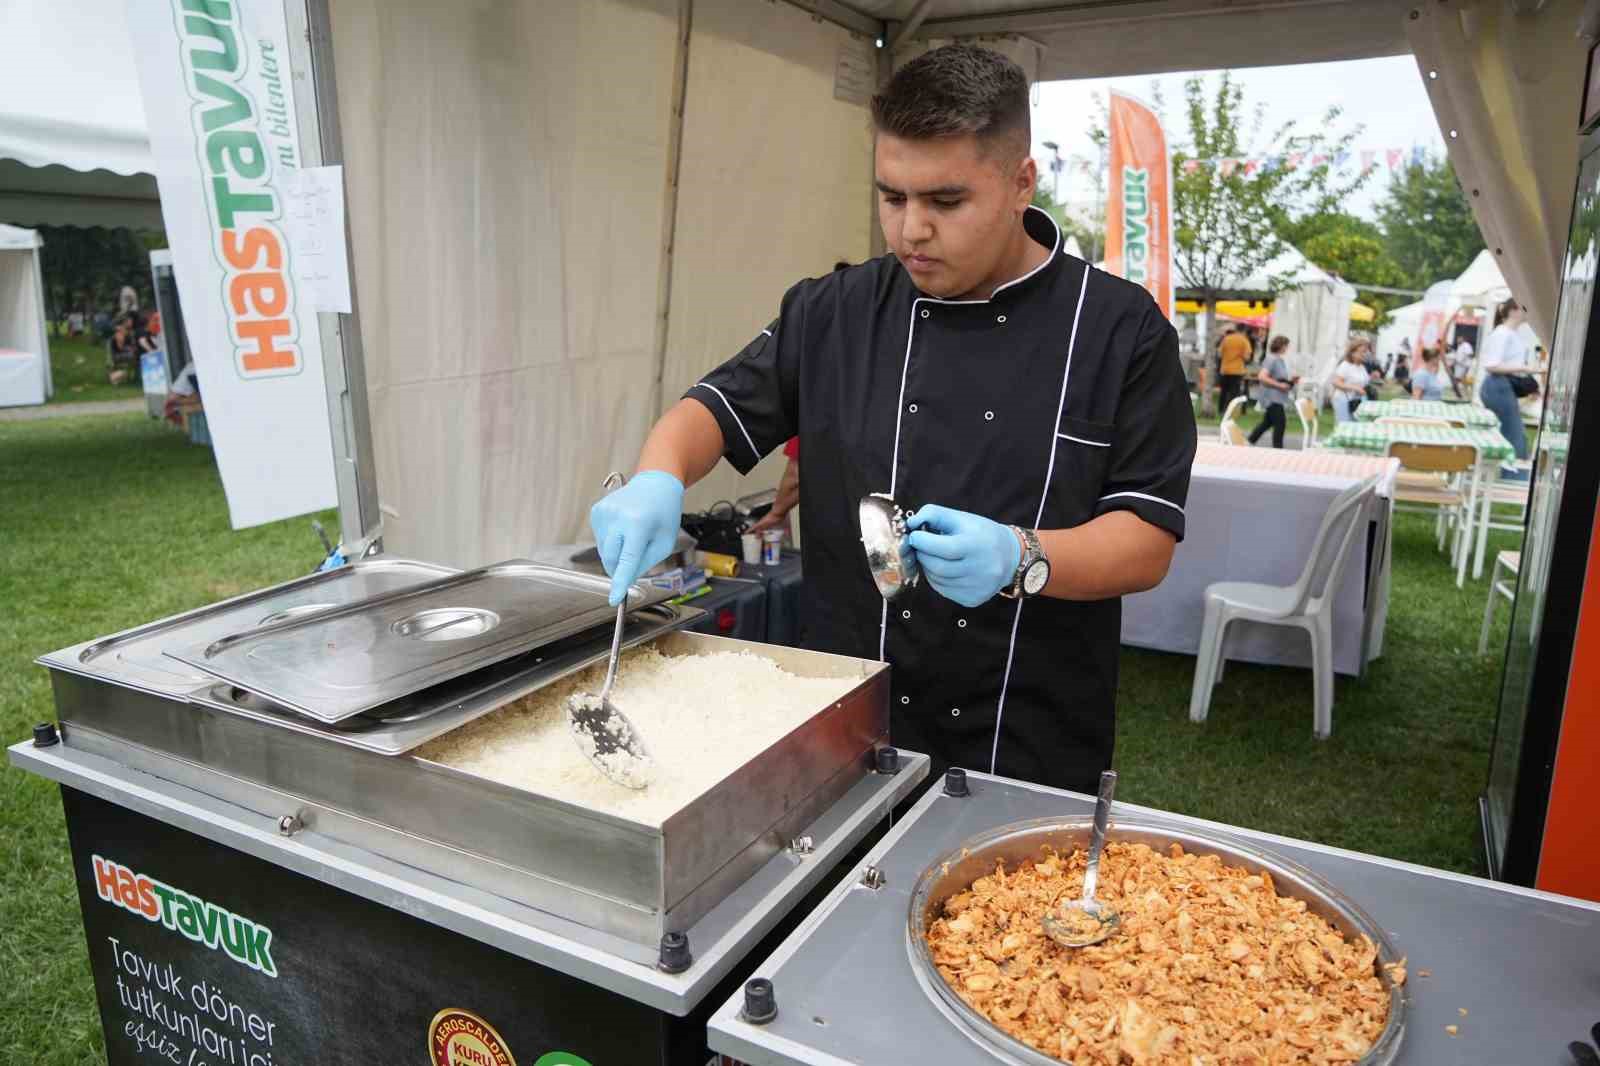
<point>968,558</point>
<point>636,526</point>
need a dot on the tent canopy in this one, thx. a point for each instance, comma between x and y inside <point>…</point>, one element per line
<point>1101,40</point>
<point>73,146</point>
<point>24,379</point>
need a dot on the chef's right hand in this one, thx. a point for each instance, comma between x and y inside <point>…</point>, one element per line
<point>636,526</point>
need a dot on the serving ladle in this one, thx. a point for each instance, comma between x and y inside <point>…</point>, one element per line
<point>890,557</point>
<point>602,732</point>
<point>1081,922</point>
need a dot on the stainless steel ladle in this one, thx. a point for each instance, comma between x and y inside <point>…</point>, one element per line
<point>1085,921</point>
<point>602,732</point>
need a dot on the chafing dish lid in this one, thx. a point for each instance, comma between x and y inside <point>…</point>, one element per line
<point>340,662</point>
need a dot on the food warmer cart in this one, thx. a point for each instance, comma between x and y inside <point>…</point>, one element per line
<point>1497,974</point>
<point>268,877</point>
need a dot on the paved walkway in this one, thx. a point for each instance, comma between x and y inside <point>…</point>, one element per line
<point>71,410</point>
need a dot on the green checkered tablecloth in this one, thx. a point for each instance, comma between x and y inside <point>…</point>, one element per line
<point>1471,414</point>
<point>1375,438</point>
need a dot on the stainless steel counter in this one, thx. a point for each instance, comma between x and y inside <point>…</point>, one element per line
<point>1523,965</point>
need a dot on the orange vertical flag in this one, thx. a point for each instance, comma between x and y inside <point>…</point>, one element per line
<point>1139,207</point>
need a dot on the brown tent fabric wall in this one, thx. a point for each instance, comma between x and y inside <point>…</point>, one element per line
<point>507,168</point>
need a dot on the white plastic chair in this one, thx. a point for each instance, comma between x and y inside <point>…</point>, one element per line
<point>1306,408</point>
<point>1229,432</point>
<point>1307,604</point>
<point>1512,495</point>
<point>1510,562</point>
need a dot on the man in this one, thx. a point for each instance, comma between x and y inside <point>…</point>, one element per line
<point>1232,354</point>
<point>1031,410</point>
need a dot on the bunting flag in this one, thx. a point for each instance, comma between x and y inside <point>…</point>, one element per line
<point>1139,206</point>
<point>1370,158</point>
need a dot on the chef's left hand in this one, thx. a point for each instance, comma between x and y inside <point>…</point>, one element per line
<point>968,558</point>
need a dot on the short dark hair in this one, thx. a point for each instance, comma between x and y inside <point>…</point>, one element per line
<point>957,90</point>
<point>1279,343</point>
<point>1505,309</point>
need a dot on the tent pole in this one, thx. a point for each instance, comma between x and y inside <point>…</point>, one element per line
<point>44,322</point>
<point>875,242</point>
<point>669,206</point>
<point>344,358</point>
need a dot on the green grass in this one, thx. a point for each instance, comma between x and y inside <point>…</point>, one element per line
<point>1400,775</point>
<point>114,520</point>
<point>107,521</point>
<point>78,369</point>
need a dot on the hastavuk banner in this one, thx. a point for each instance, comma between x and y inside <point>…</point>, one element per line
<point>218,100</point>
<point>1139,207</point>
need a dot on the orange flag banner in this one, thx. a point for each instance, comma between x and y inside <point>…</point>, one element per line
<point>1139,206</point>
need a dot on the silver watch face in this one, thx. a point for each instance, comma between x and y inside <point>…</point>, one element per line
<point>1036,577</point>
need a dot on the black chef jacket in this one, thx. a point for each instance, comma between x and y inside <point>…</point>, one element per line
<point>1058,399</point>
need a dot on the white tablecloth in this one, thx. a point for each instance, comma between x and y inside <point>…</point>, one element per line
<point>1252,516</point>
<point>21,378</point>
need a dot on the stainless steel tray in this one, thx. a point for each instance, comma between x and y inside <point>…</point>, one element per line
<point>397,727</point>
<point>135,657</point>
<point>1022,841</point>
<point>348,660</point>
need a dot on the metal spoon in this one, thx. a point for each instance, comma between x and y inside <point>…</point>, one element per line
<point>602,732</point>
<point>1070,930</point>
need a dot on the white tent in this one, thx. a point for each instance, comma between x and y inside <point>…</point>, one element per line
<point>1312,310</point>
<point>73,147</point>
<point>1403,324</point>
<point>1481,284</point>
<point>24,349</point>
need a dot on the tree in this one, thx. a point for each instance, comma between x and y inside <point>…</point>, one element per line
<point>1428,225</point>
<point>1236,187</point>
<point>1088,237</point>
<point>1354,249</point>
<point>84,268</point>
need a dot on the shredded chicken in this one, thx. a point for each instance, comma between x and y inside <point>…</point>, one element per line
<point>1211,967</point>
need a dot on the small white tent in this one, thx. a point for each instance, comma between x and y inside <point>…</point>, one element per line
<point>24,347</point>
<point>1313,311</point>
<point>1481,285</point>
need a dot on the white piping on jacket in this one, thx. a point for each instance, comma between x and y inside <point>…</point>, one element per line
<point>1143,496</point>
<point>753,449</point>
<point>1080,440</point>
<point>1050,470</point>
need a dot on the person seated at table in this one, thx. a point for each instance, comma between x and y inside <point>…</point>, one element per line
<point>150,333</point>
<point>1349,382</point>
<point>1276,384</point>
<point>122,352</point>
<point>1429,382</point>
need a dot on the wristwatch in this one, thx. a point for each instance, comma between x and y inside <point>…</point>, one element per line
<point>1033,570</point>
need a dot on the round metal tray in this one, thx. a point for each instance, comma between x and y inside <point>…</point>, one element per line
<point>1021,841</point>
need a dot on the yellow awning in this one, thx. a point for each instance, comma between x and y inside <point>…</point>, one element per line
<point>1359,312</point>
<point>1231,308</point>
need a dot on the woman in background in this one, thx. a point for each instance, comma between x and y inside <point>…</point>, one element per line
<point>1429,382</point>
<point>1274,396</point>
<point>1505,354</point>
<point>1349,381</point>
